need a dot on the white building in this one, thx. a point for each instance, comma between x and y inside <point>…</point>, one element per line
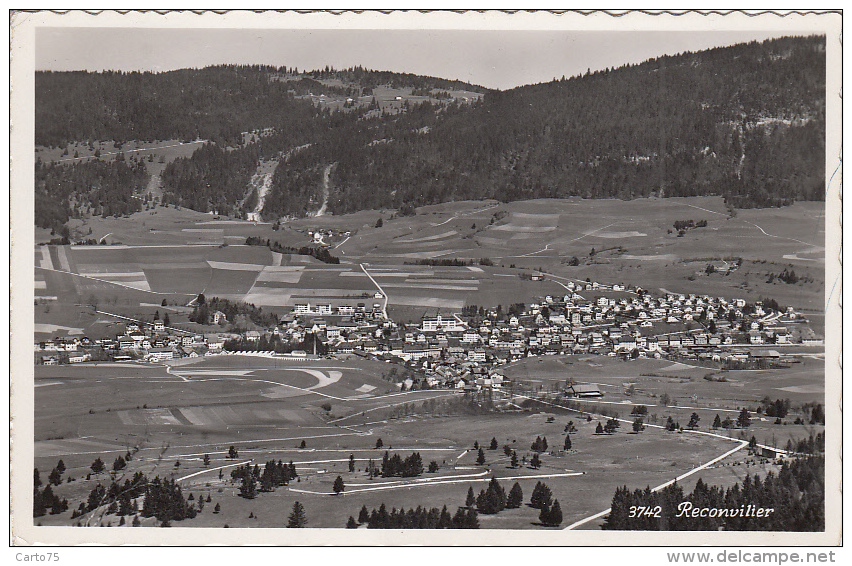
<point>432,323</point>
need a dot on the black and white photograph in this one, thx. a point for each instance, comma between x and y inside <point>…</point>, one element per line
<point>467,278</point>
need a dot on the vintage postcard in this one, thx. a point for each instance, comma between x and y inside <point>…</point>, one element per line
<point>404,278</point>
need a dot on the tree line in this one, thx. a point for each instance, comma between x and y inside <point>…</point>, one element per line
<point>418,518</point>
<point>490,501</point>
<point>203,310</point>
<point>396,466</point>
<point>796,493</point>
<point>316,252</point>
<point>274,474</point>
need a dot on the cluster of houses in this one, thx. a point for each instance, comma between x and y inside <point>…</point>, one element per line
<point>456,351</point>
<point>149,342</point>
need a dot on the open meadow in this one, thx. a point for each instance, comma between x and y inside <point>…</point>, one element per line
<point>169,417</point>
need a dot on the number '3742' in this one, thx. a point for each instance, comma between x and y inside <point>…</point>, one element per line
<point>642,511</point>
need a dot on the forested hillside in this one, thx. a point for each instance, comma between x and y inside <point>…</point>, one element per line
<point>215,103</point>
<point>97,188</point>
<point>746,122</point>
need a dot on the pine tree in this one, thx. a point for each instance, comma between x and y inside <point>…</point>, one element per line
<point>379,443</point>
<point>470,499</point>
<point>297,518</point>
<point>599,429</point>
<point>480,459</point>
<point>535,461</point>
<point>445,521</point>
<point>693,421</point>
<point>515,497</point>
<point>744,420</point>
<point>568,442</point>
<point>351,523</point>
<point>493,445</point>
<point>514,460</point>
<point>554,516</point>
<point>458,518</point>
<point>351,463</point>
<point>97,466</point>
<point>60,465</point>
<point>544,515</point>
<point>206,460</point>
<point>36,479</point>
<point>55,478</point>
<point>611,426</point>
<point>717,422</point>
<point>364,515</point>
<point>471,521</point>
<point>338,485</point>
<point>541,496</point>
<point>136,522</point>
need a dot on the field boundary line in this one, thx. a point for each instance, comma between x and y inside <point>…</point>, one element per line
<point>379,287</point>
<point>213,470</point>
<point>108,282</point>
<point>357,413</point>
<point>129,151</point>
<point>440,482</point>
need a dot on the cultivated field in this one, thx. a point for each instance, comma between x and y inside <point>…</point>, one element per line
<point>175,254</point>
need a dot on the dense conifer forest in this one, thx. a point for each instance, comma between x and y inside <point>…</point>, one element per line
<point>100,188</point>
<point>796,494</point>
<point>214,103</point>
<point>746,122</point>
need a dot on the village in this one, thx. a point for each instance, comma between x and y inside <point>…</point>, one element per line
<point>464,350</point>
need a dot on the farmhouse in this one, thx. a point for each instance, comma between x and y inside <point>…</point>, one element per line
<point>583,390</point>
